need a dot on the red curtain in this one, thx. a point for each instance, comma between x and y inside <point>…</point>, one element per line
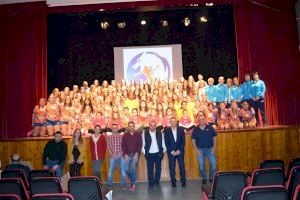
<point>267,42</point>
<point>23,65</point>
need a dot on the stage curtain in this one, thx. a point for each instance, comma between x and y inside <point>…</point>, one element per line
<point>22,65</point>
<point>267,42</point>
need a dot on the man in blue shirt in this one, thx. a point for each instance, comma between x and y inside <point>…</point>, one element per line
<point>221,91</point>
<point>204,143</point>
<point>246,90</point>
<point>211,91</point>
<point>236,91</point>
<point>258,89</point>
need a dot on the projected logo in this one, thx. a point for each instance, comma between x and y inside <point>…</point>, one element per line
<point>148,66</point>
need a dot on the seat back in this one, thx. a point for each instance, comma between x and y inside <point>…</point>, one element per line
<point>297,193</point>
<point>61,196</point>
<point>13,186</point>
<point>271,164</point>
<point>292,163</point>
<point>91,189</point>
<point>41,173</point>
<point>46,185</point>
<point>293,181</point>
<point>268,176</point>
<point>228,185</point>
<point>275,192</point>
<point>16,173</point>
<point>9,197</point>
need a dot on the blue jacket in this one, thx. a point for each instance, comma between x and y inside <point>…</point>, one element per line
<point>236,93</point>
<point>171,145</point>
<point>258,89</point>
<point>221,93</point>
<point>211,93</point>
<point>246,90</point>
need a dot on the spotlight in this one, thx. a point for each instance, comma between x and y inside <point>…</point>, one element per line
<point>143,22</point>
<point>121,24</point>
<point>203,19</point>
<point>186,21</point>
<point>104,25</point>
<point>209,4</point>
<point>164,22</point>
<point>101,10</point>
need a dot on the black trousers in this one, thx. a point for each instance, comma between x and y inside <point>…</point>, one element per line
<point>75,169</point>
<point>259,105</point>
<point>154,160</point>
<point>172,167</point>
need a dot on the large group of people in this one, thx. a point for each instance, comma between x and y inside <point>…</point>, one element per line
<point>227,105</point>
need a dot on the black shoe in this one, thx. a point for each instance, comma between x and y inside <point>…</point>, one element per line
<point>183,184</point>
<point>174,185</point>
<point>204,181</point>
<point>150,189</point>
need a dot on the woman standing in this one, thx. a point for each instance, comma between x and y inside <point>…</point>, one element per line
<point>76,155</point>
<point>39,119</point>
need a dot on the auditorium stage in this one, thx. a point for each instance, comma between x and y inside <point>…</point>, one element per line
<point>236,150</point>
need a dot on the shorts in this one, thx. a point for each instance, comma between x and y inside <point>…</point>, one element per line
<point>52,123</point>
<point>39,124</point>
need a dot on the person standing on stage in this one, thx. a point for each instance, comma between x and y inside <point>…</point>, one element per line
<point>153,148</point>
<point>258,90</point>
<point>55,154</point>
<point>98,149</point>
<point>221,91</point>
<point>204,143</point>
<point>246,89</point>
<point>114,143</point>
<point>211,91</point>
<point>175,142</point>
<point>131,147</point>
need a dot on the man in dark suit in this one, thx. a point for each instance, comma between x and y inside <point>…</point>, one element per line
<point>175,142</point>
<point>153,148</point>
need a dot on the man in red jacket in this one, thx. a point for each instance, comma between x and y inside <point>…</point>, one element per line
<point>98,149</point>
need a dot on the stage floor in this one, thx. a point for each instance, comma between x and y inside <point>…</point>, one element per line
<point>166,192</point>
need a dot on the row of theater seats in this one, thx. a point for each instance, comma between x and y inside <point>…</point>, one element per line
<point>269,182</point>
<point>14,186</point>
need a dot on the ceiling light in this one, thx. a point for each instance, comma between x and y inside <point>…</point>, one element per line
<point>164,23</point>
<point>121,24</point>
<point>203,19</point>
<point>143,22</point>
<point>104,25</point>
<point>186,21</point>
<point>209,4</point>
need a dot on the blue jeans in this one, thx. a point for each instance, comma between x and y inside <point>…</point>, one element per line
<point>130,168</point>
<point>59,170</point>
<point>207,152</point>
<point>97,168</point>
<point>112,164</point>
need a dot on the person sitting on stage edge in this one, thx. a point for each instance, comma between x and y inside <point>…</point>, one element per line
<point>55,154</point>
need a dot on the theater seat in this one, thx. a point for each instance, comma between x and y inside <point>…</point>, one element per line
<point>45,185</point>
<point>9,197</point>
<point>268,176</point>
<point>59,196</point>
<point>293,181</point>
<point>91,189</point>
<point>274,192</point>
<point>226,185</point>
<point>41,173</point>
<point>14,186</point>
<point>16,173</point>
<point>292,163</point>
<point>271,164</point>
<point>297,193</point>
